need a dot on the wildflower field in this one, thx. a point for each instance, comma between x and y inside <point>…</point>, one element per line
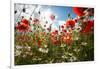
<point>45,34</point>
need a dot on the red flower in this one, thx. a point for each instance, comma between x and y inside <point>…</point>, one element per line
<point>89,26</point>
<point>79,10</point>
<point>48,29</point>
<point>22,28</point>
<point>70,23</point>
<point>22,17</point>
<point>76,20</point>
<point>52,17</point>
<point>62,26</point>
<point>53,34</point>
<point>25,21</point>
<point>64,30</point>
<point>23,25</point>
<point>36,35</point>
<point>39,43</point>
<point>30,18</point>
<point>56,31</point>
<point>55,41</point>
<point>67,39</point>
<point>43,33</point>
<point>91,11</point>
<point>44,25</point>
<point>35,20</point>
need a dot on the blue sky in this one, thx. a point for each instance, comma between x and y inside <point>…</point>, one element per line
<point>62,13</point>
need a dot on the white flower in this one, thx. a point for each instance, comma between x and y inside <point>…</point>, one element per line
<point>43,50</point>
<point>51,61</point>
<point>34,59</point>
<point>63,62</point>
<point>37,59</point>
<point>70,54</point>
<point>45,46</point>
<point>28,48</point>
<point>27,53</point>
<point>17,53</point>
<point>74,58</point>
<point>24,56</point>
<point>64,56</point>
<point>76,38</point>
<point>19,47</point>
<point>30,53</point>
<point>63,45</point>
<point>71,59</point>
<point>84,43</point>
<point>76,50</point>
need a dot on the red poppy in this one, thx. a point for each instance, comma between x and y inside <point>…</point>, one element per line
<point>43,33</point>
<point>39,43</point>
<point>56,31</point>
<point>52,34</point>
<point>62,26</point>
<point>44,25</point>
<point>91,12</point>
<point>52,17</point>
<point>67,39</point>
<point>35,20</point>
<point>30,18</point>
<point>79,10</point>
<point>64,30</point>
<point>36,35</point>
<point>70,23</point>
<point>76,20</point>
<point>48,29</point>
<point>55,41</point>
<point>89,26</point>
<point>22,17</point>
<point>22,27</point>
<point>25,21</point>
<point>64,38</point>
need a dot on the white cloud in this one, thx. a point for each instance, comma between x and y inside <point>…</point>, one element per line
<point>55,27</point>
<point>61,22</point>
